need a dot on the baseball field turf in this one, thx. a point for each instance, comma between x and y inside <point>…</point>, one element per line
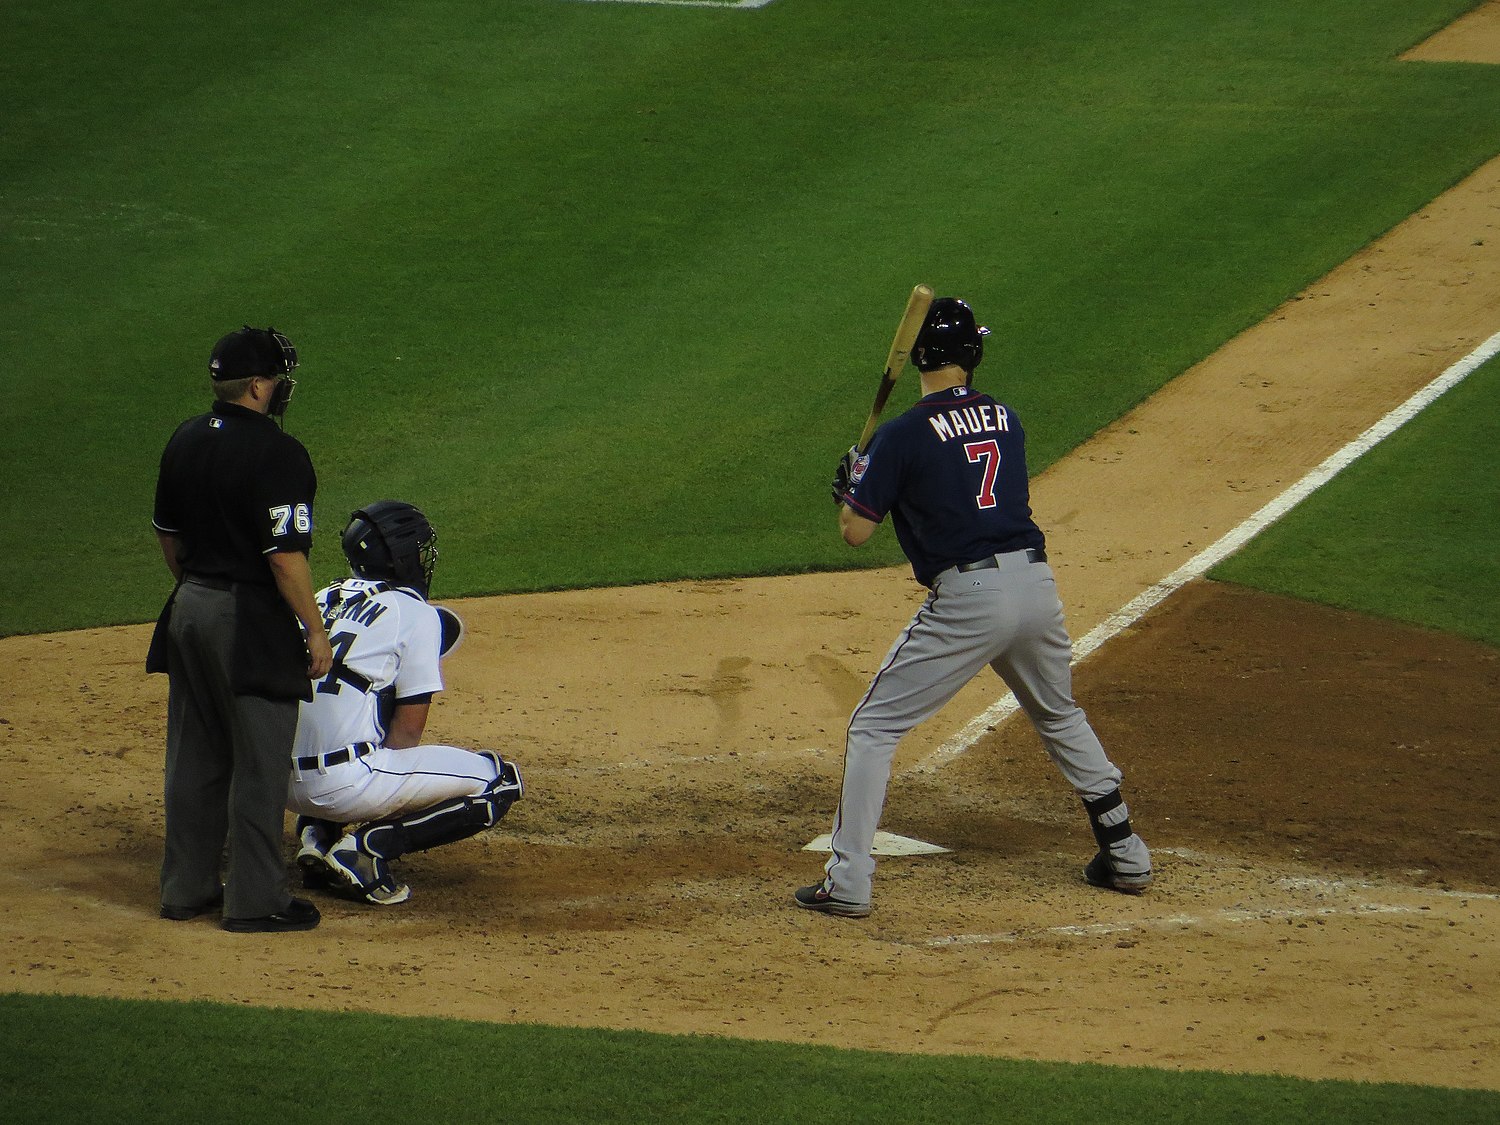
<point>128,1061</point>
<point>605,289</point>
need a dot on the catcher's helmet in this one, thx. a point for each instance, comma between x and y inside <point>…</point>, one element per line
<point>949,335</point>
<point>391,541</point>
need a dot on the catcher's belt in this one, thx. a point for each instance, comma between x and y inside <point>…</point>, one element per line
<point>336,757</point>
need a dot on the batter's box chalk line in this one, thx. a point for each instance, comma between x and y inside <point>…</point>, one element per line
<point>1229,916</point>
<point>886,843</point>
<point>1325,885</point>
<point>1128,614</point>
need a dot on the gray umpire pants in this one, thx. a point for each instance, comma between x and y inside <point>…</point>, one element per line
<point>228,760</point>
<point>1010,618</point>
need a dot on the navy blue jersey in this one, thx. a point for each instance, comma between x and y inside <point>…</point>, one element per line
<point>951,471</point>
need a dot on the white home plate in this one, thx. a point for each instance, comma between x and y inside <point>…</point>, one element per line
<point>886,843</point>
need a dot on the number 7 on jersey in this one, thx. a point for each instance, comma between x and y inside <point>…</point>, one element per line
<point>989,453</point>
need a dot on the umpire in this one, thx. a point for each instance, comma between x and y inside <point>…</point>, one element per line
<point>233,514</point>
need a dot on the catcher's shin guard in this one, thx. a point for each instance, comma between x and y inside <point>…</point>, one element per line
<point>449,821</point>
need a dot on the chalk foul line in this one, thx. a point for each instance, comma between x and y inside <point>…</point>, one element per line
<point>1133,610</point>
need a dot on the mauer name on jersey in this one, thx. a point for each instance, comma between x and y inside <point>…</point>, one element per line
<point>986,418</point>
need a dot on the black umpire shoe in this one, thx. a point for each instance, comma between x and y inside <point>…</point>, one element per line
<point>184,913</point>
<point>298,915</point>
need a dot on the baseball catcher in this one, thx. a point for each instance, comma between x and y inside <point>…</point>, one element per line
<point>366,788</point>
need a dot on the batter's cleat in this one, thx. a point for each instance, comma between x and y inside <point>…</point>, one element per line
<point>816,897</point>
<point>366,876</point>
<point>1099,873</point>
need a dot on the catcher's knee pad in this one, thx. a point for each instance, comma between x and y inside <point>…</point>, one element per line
<point>448,821</point>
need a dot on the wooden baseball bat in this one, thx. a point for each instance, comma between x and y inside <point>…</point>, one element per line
<point>906,335</point>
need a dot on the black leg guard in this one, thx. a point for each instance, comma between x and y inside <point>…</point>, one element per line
<point>447,822</point>
<point>1108,829</point>
<point>1122,864</point>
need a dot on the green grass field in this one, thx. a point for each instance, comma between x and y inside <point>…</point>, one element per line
<point>1408,532</point>
<point>604,289</point>
<point>76,1059</point>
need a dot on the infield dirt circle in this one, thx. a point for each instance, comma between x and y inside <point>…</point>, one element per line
<point>1318,786</point>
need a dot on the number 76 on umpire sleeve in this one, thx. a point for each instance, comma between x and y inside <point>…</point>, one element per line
<point>299,518</point>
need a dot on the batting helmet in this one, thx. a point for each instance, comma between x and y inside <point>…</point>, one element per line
<point>391,541</point>
<point>949,335</point>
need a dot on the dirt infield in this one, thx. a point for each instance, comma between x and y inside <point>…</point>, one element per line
<point>1318,786</point>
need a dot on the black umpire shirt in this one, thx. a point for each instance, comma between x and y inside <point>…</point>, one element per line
<point>233,488</point>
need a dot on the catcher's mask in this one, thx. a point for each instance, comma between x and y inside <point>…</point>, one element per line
<point>391,541</point>
<point>259,352</point>
<point>949,335</point>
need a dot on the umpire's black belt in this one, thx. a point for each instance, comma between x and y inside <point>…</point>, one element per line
<point>209,580</point>
<point>335,757</point>
<point>990,562</point>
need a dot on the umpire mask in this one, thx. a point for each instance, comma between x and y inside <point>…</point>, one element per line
<point>281,394</point>
<point>283,359</point>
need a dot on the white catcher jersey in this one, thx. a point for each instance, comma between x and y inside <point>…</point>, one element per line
<point>387,646</point>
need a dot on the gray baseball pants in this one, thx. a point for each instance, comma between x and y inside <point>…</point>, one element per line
<point>1010,618</point>
<point>228,760</point>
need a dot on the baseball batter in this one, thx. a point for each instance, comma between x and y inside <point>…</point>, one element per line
<point>359,758</point>
<point>951,473</point>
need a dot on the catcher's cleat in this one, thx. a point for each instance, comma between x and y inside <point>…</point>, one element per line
<point>1099,873</point>
<point>312,855</point>
<point>816,897</point>
<point>367,876</point>
<point>317,874</point>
